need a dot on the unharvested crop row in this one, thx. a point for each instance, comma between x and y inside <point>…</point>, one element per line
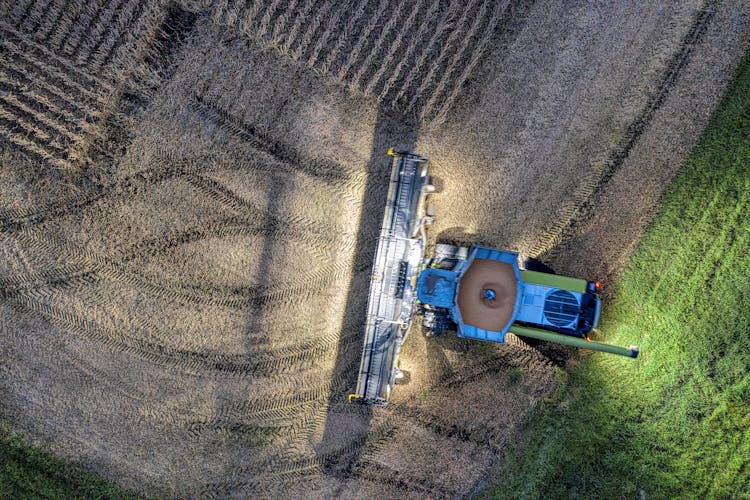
<point>414,54</point>
<point>91,34</point>
<point>44,109</point>
<point>68,66</point>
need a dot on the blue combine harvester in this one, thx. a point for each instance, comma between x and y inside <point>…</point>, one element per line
<point>480,292</point>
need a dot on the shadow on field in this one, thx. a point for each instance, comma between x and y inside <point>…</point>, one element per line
<point>347,425</point>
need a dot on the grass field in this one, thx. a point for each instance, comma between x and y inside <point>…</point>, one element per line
<point>676,422</point>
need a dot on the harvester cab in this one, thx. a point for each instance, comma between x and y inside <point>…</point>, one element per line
<point>480,292</point>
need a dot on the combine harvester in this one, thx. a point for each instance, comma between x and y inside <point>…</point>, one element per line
<point>480,292</point>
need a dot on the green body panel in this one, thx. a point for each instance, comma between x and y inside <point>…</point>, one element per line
<point>553,280</point>
<point>559,338</point>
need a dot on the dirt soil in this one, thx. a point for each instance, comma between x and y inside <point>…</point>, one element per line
<point>191,191</point>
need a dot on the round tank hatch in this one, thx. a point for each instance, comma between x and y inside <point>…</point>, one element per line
<point>561,308</point>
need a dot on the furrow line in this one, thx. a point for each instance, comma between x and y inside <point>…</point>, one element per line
<point>297,24</point>
<point>372,55</point>
<point>20,125</point>
<point>21,11</point>
<point>135,25</point>
<point>330,28</point>
<point>34,16</point>
<point>267,16</point>
<point>16,80</point>
<point>83,25</point>
<point>54,76</point>
<point>312,26</point>
<point>224,12</point>
<point>40,122</point>
<point>52,19</point>
<point>281,26</point>
<point>61,29</point>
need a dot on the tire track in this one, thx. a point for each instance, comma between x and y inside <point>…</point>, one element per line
<point>93,377</point>
<point>328,172</point>
<point>318,234</point>
<point>266,362</point>
<point>187,361</point>
<point>380,474</point>
<point>94,266</point>
<point>285,465</point>
<point>370,444</point>
<point>162,170</point>
<point>581,206</point>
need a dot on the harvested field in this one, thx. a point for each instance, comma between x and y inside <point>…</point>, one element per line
<point>191,194</point>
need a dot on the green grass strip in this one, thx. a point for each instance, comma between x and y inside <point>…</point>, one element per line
<point>29,472</point>
<point>676,422</point>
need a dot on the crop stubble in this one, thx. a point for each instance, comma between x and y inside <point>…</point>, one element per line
<point>174,308</point>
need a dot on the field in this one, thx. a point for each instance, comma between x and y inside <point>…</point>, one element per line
<point>191,194</point>
<point>675,423</point>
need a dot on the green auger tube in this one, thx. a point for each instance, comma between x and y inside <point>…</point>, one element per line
<point>559,338</point>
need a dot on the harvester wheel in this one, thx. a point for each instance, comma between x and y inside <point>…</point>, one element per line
<point>445,251</point>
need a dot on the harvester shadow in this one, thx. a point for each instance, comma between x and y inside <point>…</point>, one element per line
<point>347,426</point>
